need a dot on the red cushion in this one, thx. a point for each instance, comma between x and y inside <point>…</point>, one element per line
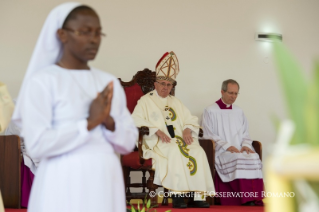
<point>133,94</point>
<point>133,160</point>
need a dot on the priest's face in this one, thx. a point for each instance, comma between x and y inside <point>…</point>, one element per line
<point>163,87</point>
<point>230,96</point>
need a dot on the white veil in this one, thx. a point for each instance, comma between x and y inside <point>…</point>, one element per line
<point>47,50</point>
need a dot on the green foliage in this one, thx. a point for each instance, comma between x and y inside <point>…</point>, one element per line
<point>146,203</point>
<point>315,186</point>
<point>275,120</point>
<point>302,96</point>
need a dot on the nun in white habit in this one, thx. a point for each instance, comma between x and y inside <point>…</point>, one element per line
<point>73,118</point>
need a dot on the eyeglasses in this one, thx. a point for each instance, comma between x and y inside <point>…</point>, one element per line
<point>88,33</point>
<point>232,93</point>
<point>164,84</point>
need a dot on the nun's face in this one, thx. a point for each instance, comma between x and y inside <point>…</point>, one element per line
<point>83,36</point>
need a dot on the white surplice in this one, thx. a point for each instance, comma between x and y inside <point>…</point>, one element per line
<point>79,170</point>
<point>178,166</point>
<point>229,127</point>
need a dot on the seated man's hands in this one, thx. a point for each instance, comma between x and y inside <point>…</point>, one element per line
<point>246,149</point>
<point>232,149</point>
<point>187,136</point>
<point>163,136</point>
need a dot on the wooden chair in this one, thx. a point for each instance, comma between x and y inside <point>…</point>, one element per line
<point>258,147</point>
<point>10,167</point>
<point>142,83</point>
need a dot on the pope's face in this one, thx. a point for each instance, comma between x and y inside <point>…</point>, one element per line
<point>163,87</point>
<point>230,96</point>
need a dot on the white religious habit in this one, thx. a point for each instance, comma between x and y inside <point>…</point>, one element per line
<point>178,166</point>
<point>228,126</point>
<point>79,170</point>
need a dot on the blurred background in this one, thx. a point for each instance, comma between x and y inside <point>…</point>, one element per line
<point>214,40</point>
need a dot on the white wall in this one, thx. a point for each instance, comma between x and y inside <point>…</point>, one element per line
<point>213,39</point>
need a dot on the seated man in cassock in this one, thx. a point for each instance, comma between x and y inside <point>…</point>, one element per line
<point>238,166</point>
<point>179,161</point>
<point>28,165</point>
<point>9,128</point>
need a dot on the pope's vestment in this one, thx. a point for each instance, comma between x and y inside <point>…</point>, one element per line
<point>178,166</point>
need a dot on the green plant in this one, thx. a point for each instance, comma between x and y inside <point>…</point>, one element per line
<point>302,96</point>
<point>147,204</point>
<point>302,100</point>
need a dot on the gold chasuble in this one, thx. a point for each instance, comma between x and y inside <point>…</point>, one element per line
<point>6,107</point>
<point>178,166</point>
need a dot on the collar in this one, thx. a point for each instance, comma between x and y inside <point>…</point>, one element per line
<point>223,106</point>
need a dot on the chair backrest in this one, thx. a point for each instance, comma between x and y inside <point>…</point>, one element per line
<point>141,83</point>
<point>258,148</point>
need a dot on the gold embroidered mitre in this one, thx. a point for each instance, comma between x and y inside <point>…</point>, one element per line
<point>167,68</point>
